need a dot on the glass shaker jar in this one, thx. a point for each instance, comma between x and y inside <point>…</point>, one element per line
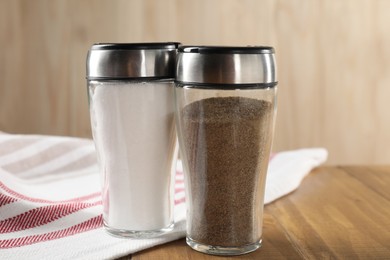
<point>130,89</point>
<point>225,106</point>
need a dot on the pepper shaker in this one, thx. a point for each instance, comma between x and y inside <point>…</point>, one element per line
<point>225,106</point>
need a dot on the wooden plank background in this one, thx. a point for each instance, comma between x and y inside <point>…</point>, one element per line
<point>333,62</point>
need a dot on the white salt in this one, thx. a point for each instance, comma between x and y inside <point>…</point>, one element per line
<point>134,132</point>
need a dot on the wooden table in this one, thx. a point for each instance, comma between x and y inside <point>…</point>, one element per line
<point>337,213</point>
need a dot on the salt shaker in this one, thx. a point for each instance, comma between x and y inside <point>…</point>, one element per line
<point>225,105</point>
<point>130,89</point>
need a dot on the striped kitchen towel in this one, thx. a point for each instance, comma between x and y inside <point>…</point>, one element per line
<point>50,205</point>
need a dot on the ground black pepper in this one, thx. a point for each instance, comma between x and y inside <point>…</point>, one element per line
<point>227,146</point>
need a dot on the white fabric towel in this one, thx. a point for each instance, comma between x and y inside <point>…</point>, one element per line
<point>50,205</point>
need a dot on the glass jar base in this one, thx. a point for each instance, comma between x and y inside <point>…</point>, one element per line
<point>123,233</point>
<point>222,250</point>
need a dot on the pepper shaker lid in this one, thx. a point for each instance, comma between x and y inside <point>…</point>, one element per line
<point>226,65</point>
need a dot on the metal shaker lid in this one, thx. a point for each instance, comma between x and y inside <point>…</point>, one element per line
<point>226,65</point>
<point>131,60</point>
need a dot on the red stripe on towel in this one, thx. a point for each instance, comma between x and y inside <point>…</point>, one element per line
<point>5,199</point>
<point>41,216</point>
<point>90,224</point>
<point>180,200</point>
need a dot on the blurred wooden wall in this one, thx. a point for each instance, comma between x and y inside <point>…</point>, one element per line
<point>333,62</point>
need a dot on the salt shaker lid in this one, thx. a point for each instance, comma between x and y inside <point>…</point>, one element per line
<point>132,60</point>
<point>226,65</point>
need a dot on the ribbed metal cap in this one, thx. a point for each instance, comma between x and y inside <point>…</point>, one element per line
<point>225,65</point>
<point>131,60</point>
